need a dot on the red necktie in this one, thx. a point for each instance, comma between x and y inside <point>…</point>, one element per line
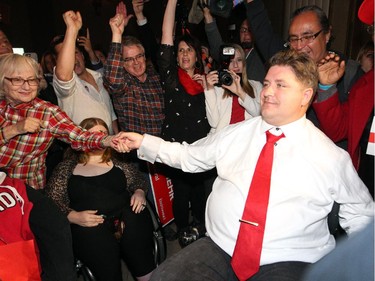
<point>246,255</point>
<point>238,112</point>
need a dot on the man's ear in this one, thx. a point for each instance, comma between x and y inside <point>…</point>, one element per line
<point>328,35</point>
<point>308,94</point>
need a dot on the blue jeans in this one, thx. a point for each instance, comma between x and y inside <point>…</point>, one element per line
<point>204,260</point>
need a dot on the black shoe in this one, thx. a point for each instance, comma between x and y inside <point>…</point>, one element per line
<point>189,236</point>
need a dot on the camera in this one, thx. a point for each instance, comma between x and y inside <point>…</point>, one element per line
<point>226,54</point>
<point>225,78</point>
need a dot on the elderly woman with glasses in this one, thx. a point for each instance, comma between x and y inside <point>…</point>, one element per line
<point>236,101</point>
<point>28,125</point>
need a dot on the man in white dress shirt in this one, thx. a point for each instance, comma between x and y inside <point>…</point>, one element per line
<point>309,173</point>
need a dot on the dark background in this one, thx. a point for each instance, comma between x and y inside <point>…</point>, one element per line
<point>33,23</point>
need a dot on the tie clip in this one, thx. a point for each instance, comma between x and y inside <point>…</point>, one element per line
<point>249,222</point>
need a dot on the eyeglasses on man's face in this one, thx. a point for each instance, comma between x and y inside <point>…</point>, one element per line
<point>305,40</point>
<point>132,60</point>
<point>17,81</point>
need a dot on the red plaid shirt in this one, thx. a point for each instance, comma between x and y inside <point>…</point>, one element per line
<point>24,155</point>
<point>139,105</point>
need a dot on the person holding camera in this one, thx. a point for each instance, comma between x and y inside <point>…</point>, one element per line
<point>254,63</point>
<point>230,96</point>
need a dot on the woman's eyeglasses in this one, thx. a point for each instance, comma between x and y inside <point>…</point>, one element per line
<point>17,81</point>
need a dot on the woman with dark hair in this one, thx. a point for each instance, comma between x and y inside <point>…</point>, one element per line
<point>104,200</point>
<point>181,71</point>
<point>229,104</point>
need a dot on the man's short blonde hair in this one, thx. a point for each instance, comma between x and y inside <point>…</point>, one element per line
<point>301,64</point>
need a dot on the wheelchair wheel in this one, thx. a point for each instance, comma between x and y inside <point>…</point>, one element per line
<point>84,271</point>
<point>160,246</point>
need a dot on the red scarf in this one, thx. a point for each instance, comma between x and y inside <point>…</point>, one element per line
<point>191,87</point>
<point>238,112</point>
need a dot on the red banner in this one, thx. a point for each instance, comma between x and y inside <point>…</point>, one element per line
<point>162,191</point>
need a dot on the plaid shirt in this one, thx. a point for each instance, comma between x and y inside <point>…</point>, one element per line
<point>139,105</point>
<point>24,155</point>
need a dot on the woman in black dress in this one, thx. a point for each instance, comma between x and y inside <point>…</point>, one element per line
<point>104,200</point>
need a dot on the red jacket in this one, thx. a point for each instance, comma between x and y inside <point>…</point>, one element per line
<point>347,120</point>
<point>15,209</point>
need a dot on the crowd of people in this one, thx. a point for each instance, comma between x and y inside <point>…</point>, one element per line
<point>251,131</point>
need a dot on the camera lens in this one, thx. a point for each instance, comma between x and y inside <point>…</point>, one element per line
<point>225,78</point>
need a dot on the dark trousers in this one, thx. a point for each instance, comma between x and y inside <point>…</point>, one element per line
<point>98,249</point>
<point>51,229</point>
<point>189,191</point>
<point>204,260</point>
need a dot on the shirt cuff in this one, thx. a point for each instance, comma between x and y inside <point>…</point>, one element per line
<point>325,87</point>
<point>325,94</point>
<point>95,62</point>
<point>142,22</point>
<point>149,148</point>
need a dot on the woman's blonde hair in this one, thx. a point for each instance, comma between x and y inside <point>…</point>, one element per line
<point>87,124</point>
<point>11,63</point>
<point>244,80</point>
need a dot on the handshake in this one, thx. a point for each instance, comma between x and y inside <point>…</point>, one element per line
<point>124,142</point>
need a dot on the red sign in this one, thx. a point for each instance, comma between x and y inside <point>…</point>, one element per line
<point>162,191</point>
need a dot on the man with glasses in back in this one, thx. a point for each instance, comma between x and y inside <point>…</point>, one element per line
<point>309,32</point>
<point>134,85</point>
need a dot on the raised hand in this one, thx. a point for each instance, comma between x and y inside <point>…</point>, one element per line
<point>121,9</point>
<point>331,68</point>
<point>119,22</point>
<point>73,19</point>
<point>138,6</point>
<point>85,41</point>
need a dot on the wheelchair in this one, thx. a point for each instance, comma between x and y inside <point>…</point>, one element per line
<point>160,246</point>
